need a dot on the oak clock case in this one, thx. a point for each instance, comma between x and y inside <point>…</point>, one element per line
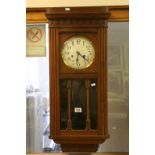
<point>78,77</point>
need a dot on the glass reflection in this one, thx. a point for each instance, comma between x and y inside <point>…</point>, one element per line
<point>93,104</point>
<point>78,100</point>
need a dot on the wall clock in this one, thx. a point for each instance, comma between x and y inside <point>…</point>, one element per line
<point>78,77</point>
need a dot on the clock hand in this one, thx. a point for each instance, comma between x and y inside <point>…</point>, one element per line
<point>79,53</point>
<point>83,56</point>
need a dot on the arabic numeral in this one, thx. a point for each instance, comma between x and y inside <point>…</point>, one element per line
<point>68,47</point>
<point>72,43</point>
<point>83,43</point>
<point>88,48</point>
<point>69,58</point>
<point>78,41</point>
<point>67,53</point>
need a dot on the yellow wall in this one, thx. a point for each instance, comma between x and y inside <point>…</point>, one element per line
<point>70,3</point>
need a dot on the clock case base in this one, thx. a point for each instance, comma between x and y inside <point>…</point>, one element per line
<point>79,147</point>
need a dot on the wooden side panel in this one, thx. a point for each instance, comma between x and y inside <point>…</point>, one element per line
<point>36,17</point>
<point>119,14</point>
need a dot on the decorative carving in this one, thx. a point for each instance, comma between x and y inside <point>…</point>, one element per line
<point>77,22</point>
<point>90,16</point>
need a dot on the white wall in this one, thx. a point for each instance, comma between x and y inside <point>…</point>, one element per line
<point>69,3</point>
<point>32,72</point>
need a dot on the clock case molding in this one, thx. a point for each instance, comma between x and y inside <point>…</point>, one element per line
<point>89,22</point>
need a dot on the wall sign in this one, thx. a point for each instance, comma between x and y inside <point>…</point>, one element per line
<point>36,40</point>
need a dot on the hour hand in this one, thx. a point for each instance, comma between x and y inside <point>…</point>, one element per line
<point>84,57</point>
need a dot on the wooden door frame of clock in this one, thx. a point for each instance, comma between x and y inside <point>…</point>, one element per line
<point>37,15</point>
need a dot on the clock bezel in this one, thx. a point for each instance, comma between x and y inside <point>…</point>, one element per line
<point>88,40</point>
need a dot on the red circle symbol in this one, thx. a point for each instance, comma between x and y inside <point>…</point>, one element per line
<point>34,34</point>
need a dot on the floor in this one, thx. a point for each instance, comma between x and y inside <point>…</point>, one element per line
<point>121,153</point>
